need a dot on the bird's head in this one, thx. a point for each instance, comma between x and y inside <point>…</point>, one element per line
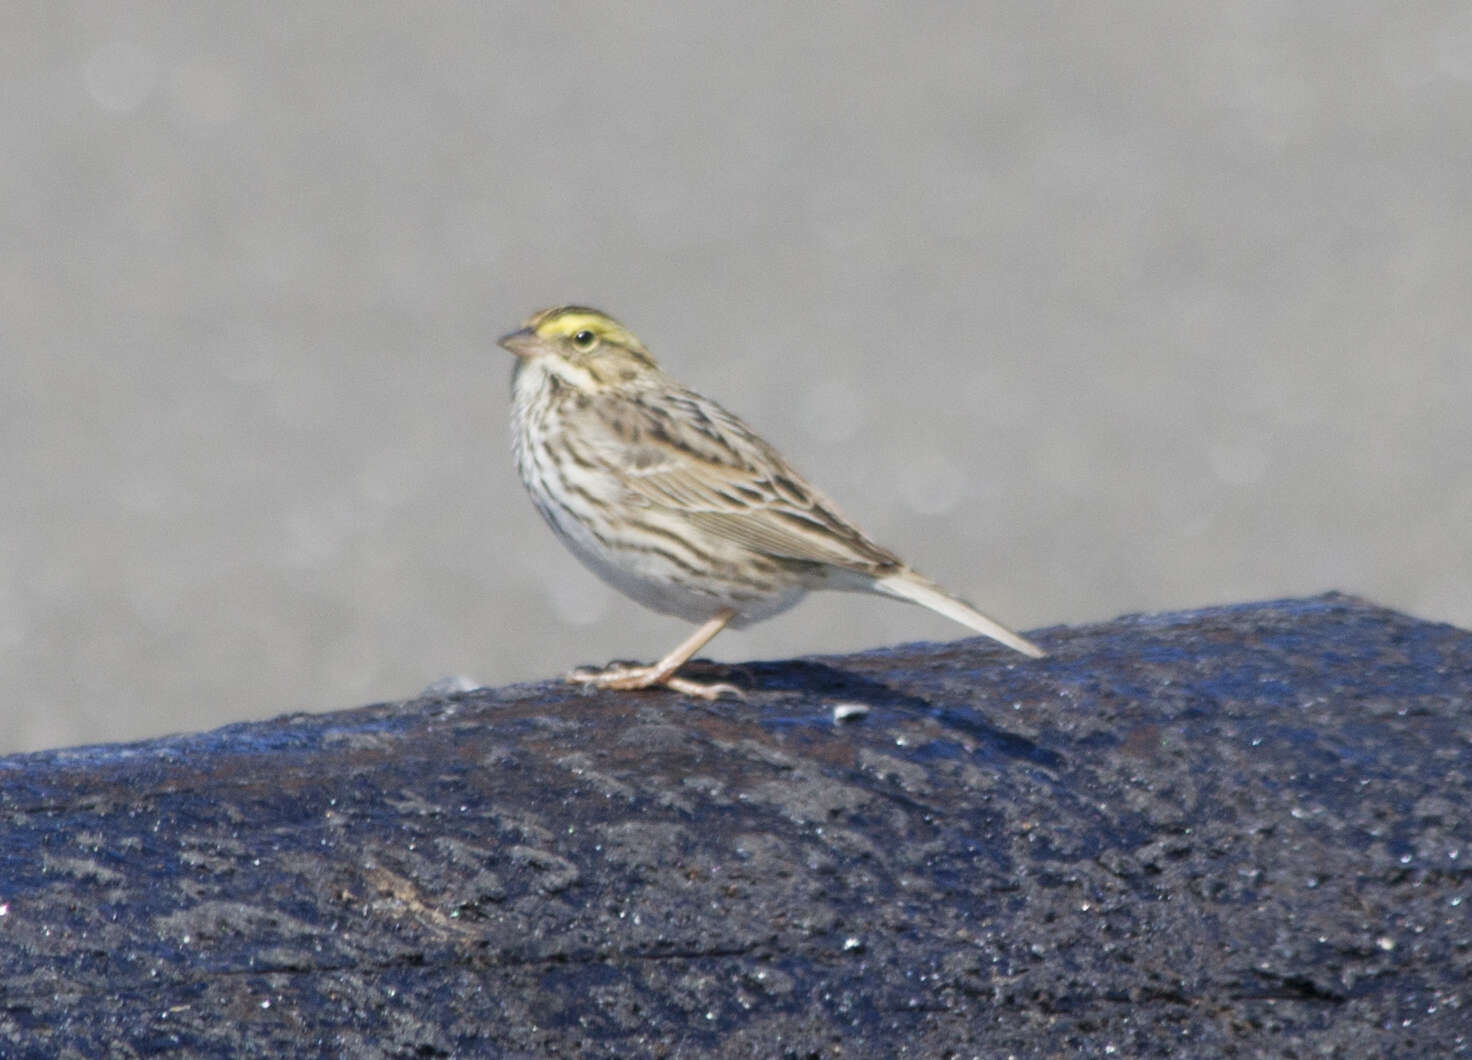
<point>583,347</point>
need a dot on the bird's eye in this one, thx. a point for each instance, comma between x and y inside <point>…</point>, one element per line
<point>585,340</point>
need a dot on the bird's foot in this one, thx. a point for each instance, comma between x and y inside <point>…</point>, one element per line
<point>627,677</point>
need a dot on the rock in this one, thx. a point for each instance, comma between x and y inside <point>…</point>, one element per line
<point>1240,831</point>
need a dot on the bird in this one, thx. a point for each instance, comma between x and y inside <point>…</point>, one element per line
<point>677,503</point>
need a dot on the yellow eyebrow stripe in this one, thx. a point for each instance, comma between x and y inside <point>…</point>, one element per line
<point>566,324</point>
<point>559,324</point>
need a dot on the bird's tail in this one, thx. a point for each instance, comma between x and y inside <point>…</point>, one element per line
<point>907,585</point>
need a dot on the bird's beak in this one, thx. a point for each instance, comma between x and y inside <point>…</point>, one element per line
<point>523,343</point>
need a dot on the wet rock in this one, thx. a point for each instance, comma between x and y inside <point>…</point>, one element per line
<point>1235,831</point>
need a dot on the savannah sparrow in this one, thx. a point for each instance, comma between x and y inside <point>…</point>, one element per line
<point>677,503</point>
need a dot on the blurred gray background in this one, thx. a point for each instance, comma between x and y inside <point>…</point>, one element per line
<point>1084,309</point>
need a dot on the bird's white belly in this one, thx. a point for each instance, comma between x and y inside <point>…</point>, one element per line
<point>656,575</point>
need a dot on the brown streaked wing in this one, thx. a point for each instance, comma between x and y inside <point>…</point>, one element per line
<point>680,451</point>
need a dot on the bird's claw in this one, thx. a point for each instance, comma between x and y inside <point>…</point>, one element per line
<point>627,678</point>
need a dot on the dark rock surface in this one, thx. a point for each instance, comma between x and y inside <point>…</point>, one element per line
<point>1241,831</point>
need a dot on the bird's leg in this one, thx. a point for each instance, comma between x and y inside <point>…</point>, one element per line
<point>663,672</point>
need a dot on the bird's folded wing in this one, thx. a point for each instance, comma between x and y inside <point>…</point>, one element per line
<point>705,463</point>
